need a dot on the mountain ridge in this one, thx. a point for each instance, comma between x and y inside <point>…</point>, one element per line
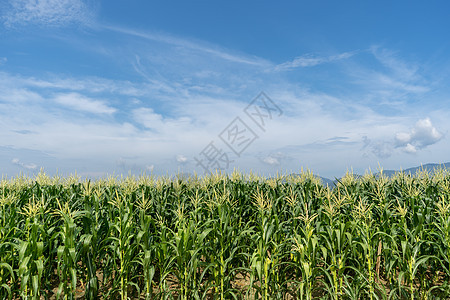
<point>430,167</point>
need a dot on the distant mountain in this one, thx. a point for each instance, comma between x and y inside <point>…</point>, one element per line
<point>183,176</point>
<point>389,173</point>
<point>412,171</point>
<point>427,167</point>
<point>326,181</point>
<point>332,183</point>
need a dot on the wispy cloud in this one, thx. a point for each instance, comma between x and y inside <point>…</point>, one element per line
<point>24,132</point>
<point>82,103</point>
<point>388,58</point>
<point>3,60</point>
<point>310,60</point>
<point>380,148</point>
<point>47,12</point>
<point>396,83</point>
<point>193,45</point>
<point>388,79</point>
<point>90,84</point>
<point>28,166</point>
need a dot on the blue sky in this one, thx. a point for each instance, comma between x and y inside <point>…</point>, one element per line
<point>102,87</point>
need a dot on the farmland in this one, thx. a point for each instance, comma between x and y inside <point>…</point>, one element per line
<point>223,237</point>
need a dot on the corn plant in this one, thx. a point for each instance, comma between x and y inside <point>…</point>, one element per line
<point>305,247</point>
<point>30,249</point>
<point>93,232</point>
<point>7,214</point>
<point>66,245</point>
<point>223,244</point>
<point>268,255</point>
<point>187,247</point>
<point>226,237</point>
<point>146,239</point>
<point>121,248</point>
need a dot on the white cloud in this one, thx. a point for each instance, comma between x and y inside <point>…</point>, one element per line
<point>403,138</point>
<point>195,90</point>
<point>310,60</point>
<point>148,118</point>
<point>410,148</point>
<point>17,95</point>
<point>181,158</point>
<point>423,134</point>
<point>151,120</point>
<point>271,161</point>
<point>47,12</point>
<point>3,60</point>
<point>280,156</point>
<point>81,103</point>
<point>28,166</point>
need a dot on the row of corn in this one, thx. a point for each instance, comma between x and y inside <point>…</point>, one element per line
<point>225,237</point>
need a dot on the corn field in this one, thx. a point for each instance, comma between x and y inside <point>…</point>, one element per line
<point>225,237</point>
